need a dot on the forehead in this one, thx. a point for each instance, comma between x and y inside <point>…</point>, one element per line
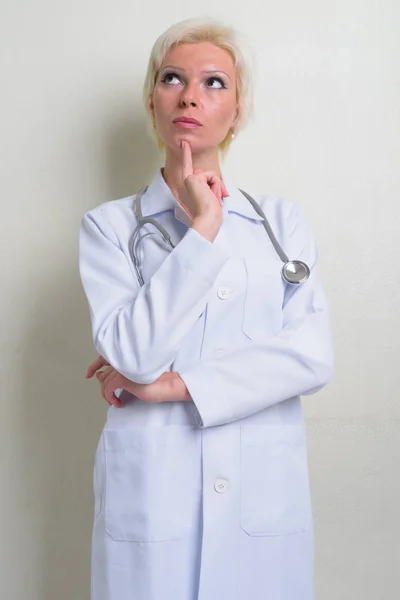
<point>199,56</point>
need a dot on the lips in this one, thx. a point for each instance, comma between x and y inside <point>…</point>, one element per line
<point>187,120</point>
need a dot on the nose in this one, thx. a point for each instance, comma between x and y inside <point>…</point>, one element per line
<point>185,102</point>
<point>188,97</point>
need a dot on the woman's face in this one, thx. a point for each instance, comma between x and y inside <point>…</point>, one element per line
<point>196,81</point>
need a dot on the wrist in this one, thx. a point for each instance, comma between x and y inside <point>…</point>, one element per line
<point>207,226</point>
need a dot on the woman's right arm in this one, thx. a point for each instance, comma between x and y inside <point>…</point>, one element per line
<point>139,330</point>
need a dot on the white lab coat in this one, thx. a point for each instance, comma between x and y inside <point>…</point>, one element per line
<point>205,500</point>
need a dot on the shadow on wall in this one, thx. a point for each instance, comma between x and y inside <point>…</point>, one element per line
<point>62,414</point>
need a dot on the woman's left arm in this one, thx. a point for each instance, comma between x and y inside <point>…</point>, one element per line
<point>297,361</point>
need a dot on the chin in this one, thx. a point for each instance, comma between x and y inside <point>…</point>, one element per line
<point>197,145</point>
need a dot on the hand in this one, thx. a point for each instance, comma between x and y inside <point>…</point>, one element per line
<point>202,191</point>
<point>110,381</point>
<point>99,363</point>
<point>168,387</point>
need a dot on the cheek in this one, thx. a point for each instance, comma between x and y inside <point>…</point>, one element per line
<point>220,107</point>
<point>162,101</point>
<point>221,114</point>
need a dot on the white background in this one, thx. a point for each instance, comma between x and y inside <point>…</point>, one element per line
<point>326,136</point>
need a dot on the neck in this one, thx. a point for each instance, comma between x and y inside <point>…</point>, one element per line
<point>172,172</point>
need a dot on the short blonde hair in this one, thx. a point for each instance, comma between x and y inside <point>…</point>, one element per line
<point>204,29</point>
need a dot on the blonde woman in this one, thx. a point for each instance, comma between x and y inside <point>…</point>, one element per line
<point>201,482</point>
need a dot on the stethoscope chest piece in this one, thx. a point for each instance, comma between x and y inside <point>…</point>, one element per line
<point>295,271</point>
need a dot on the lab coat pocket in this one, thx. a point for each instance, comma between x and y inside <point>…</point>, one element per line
<point>149,483</point>
<point>275,497</point>
<point>262,311</point>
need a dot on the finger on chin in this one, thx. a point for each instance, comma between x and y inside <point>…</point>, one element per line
<point>187,164</point>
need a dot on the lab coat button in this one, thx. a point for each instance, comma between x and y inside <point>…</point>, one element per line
<point>220,486</point>
<point>223,292</point>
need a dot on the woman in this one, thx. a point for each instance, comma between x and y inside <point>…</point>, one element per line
<point>201,482</point>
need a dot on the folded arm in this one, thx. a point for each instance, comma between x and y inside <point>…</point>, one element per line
<point>298,360</point>
<point>139,330</point>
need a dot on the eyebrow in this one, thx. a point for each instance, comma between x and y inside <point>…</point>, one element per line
<point>180,69</point>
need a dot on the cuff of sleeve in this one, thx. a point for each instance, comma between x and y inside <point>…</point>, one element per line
<point>201,256</point>
<point>210,404</point>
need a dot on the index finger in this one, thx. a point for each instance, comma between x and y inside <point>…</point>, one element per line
<point>95,366</point>
<point>187,164</point>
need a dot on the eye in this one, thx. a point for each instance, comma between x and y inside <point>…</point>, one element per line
<point>217,79</point>
<point>167,78</point>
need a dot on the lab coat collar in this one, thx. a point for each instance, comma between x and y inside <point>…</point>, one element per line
<point>159,198</point>
<point>236,202</point>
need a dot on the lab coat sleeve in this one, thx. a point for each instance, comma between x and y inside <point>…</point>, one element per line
<point>297,361</point>
<point>139,330</point>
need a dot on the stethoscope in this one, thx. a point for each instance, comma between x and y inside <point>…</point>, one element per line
<point>293,271</point>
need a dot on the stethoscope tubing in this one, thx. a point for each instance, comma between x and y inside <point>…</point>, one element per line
<point>293,271</point>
